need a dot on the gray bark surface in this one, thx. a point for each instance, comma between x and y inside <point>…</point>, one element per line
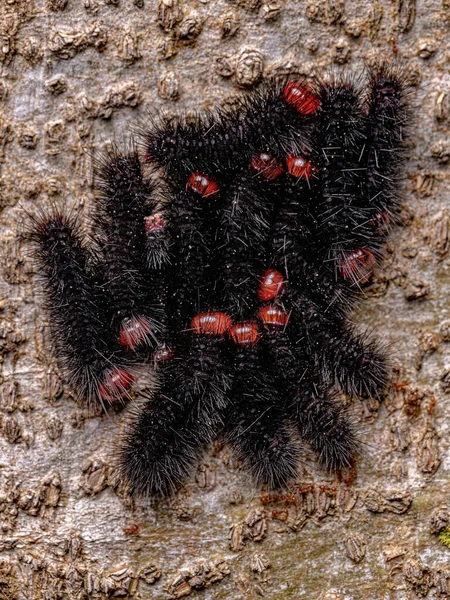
<point>76,74</point>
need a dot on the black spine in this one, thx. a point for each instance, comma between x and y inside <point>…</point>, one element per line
<point>186,407</point>
<point>191,255</point>
<point>241,282</point>
<point>320,420</point>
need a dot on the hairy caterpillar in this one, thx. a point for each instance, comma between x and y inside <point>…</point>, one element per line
<point>239,287</point>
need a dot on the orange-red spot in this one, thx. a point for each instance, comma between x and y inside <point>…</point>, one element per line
<point>211,323</point>
<point>431,405</point>
<point>163,353</point>
<point>299,166</point>
<point>358,265</point>
<point>273,315</point>
<point>289,499</point>
<point>202,184</point>
<point>131,530</point>
<point>412,404</point>
<point>245,334</point>
<point>115,385</point>
<point>154,223</point>
<point>280,515</point>
<point>269,498</point>
<point>304,100</point>
<point>270,286</point>
<point>134,332</point>
<point>268,166</point>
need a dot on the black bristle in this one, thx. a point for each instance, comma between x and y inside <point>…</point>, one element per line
<point>189,215</point>
<point>319,420</point>
<point>359,367</point>
<point>343,220</point>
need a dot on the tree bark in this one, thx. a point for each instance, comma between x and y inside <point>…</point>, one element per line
<point>77,74</point>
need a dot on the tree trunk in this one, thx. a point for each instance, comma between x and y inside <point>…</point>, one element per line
<point>79,73</point>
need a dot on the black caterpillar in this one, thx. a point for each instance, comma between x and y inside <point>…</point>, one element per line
<point>238,287</point>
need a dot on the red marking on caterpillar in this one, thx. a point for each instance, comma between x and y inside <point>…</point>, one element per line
<point>227,146</point>
<point>211,323</point>
<point>273,315</point>
<point>271,285</point>
<point>154,223</point>
<point>202,184</point>
<point>134,332</point>
<point>266,165</point>
<point>245,334</point>
<point>301,98</point>
<point>163,353</point>
<point>115,385</point>
<point>358,265</point>
<point>299,166</point>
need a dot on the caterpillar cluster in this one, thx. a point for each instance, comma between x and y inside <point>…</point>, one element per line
<point>237,288</point>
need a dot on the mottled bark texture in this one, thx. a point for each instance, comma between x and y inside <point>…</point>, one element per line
<point>78,73</point>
